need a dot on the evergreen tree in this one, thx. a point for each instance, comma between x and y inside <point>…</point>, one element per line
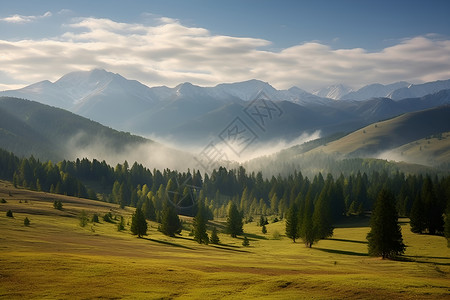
<point>447,223</point>
<point>138,223</point>
<point>170,222</point>
<point>417,216</point>
<point>293,222</point>
<point>26,221</point>
<point>246,242</point>
<point>385,236</point>
<point>199,223</point>
<point>121,224</point>
<point>264,229</point>
<point>322,217</point>
<point>9,214</point>
<point>234,221</point>
<point>306,231</point>
<point>214,239</point>
<point>149,209</point>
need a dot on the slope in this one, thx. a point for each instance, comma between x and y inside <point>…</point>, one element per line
<point>30,128</point>
<point>382,136</point>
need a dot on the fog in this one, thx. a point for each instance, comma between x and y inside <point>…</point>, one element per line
<point>165,153</point>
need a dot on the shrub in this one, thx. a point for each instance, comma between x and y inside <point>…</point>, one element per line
<point>3,200</point>
<point>95,218</point>
<point>9,213</point>
<point>57,204</point>
<point>108,217</point>
<point>26,222</point>
<point>276,235</point>
<point>83,218</point>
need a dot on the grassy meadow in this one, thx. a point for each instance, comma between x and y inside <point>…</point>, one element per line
<point>55,257</point>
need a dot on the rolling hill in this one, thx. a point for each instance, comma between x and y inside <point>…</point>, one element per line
<point>49,133</point>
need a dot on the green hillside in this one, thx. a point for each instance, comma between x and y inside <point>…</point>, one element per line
<point>374,140</point>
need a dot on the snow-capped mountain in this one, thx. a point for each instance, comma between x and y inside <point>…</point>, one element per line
<point>334,92</point>
<point>374,91</point>
<point>420,90</point>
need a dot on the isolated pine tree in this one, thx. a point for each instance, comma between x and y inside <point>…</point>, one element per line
<point>121,224</point>
<point>26,221</point>
<point>199,223</point>
<point>293,222</point>
<point>214,239</point>
<point>138,223</point>
<point>246,242</point>
<point>170,222</point>
<point>385,236</point>
<point>9,213</point>
<point>234,221</point>
<point>264,229</point>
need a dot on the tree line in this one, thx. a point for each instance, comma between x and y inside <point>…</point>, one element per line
<point>325,199</point>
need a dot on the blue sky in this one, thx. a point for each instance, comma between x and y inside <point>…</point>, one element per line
<point>309,44</point>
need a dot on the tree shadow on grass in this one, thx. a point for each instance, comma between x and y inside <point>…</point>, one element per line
<point>410,258</point>
<point>224,247</point>
<point>344,252</point>
<point>350,241</point>
<point>168,243</point>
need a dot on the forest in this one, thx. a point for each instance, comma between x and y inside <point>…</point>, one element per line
<point>422,198</point>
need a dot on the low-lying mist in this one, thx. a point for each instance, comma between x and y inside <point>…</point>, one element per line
<point>161,153</point>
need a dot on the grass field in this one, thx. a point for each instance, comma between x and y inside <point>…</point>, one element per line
<point>56,258</point>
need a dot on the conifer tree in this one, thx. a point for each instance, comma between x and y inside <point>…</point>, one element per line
<point>307,233</point>
<point>170,222</point>
<point>322,217</point>
<point>149,209</point>
<point>26,221</point>
<point>199,222</point>
<point>293,222</point>
<point>417,216</point>
<point>234,221</point>
<point>246,242</point>
<point>214,239</point>
<point>385,236</point>
<point>138,223</point>
<point>264,229</point>
<point>447,223</point>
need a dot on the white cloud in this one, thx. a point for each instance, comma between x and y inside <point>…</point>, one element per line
<point>24,19</point>
<point>169,53</point>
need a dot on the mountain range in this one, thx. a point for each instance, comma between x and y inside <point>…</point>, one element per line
<point>194,114</point>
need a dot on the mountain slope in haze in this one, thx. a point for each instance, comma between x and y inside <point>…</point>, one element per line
<point>433,150</point>
<point>31,128</point>
<point>420,90</point>
<point>374,91</point>
<point>334,92</point>
<point>382,136</point>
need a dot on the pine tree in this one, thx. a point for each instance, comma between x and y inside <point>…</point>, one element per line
<point>385,236</point>
<point>9,214</point>
<point>246,242</point>
<point>138,223</point>
<point>170,222</point>
<point>264,229</point>
<point>322,217</point>
<point>214,239</point>
<point>307,233</point>
<point>149,209</point>
<point>26,221</point>
<point>121,224</point>
<point>83,218</point>
<point>199,223</point>
<point>417,216</point>
<point>234,221</point>
<point>447,223</point>
<point>293,222</point>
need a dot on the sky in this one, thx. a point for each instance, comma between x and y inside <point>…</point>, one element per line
<point>308,44</point>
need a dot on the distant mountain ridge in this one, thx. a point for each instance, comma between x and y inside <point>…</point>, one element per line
<point>190,113</point>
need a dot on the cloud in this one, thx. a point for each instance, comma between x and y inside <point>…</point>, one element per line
<point>168,53</point>
<point>19,19</point>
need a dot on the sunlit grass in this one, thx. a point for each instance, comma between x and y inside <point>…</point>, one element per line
<point>56,258</point>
